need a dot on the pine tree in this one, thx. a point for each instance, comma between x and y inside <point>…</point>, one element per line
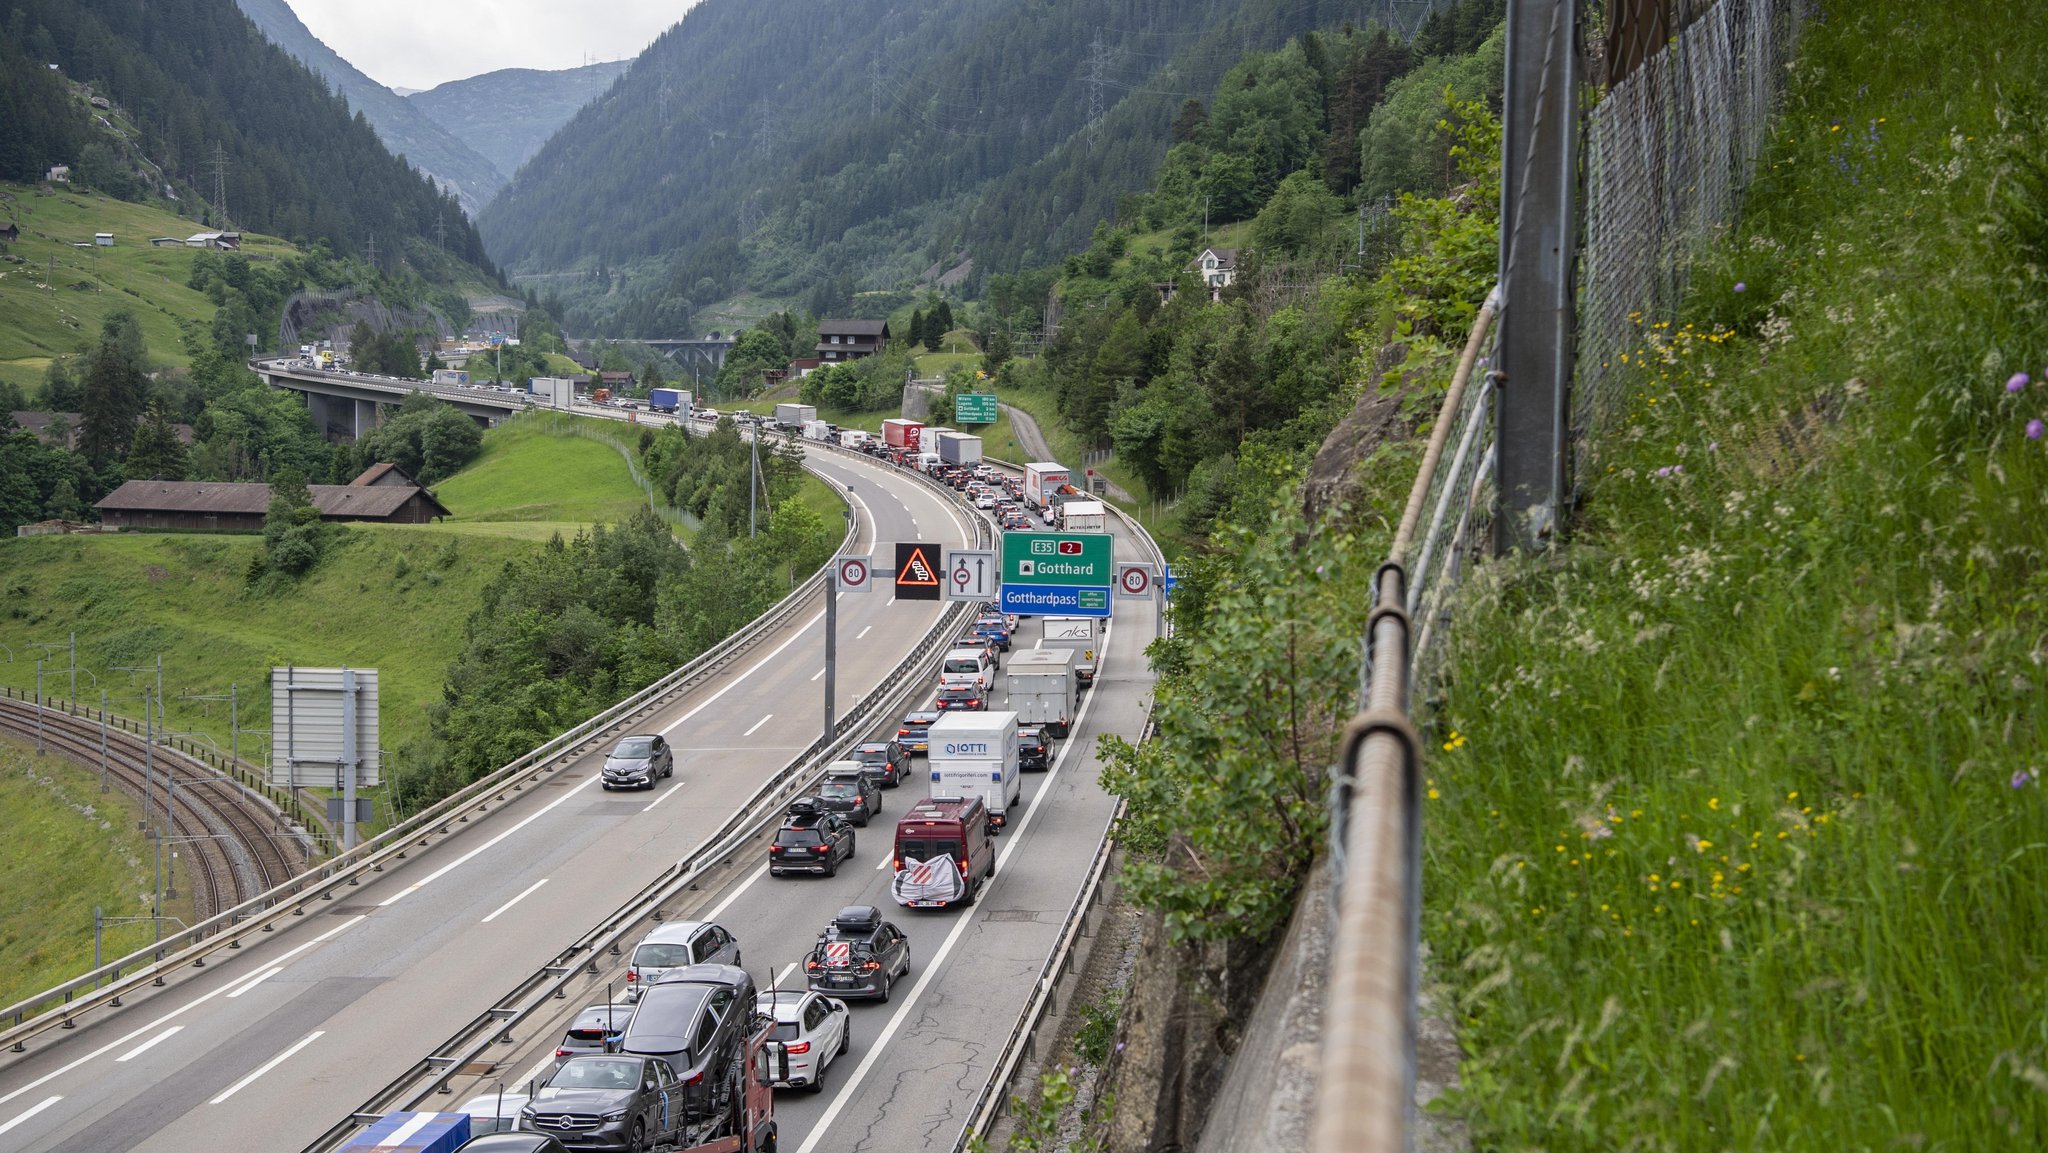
<point>157,453</point>
<point>916,334</point>
<point>113,399</point>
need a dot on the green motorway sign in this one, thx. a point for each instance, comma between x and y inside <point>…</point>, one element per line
<point>1058,558</point>
<point>974,408</point>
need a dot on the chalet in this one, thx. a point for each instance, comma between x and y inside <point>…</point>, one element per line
<point>103,239</point>
<point>10,231</point>
<point>616,381</point>
<point>61,174</point>
<point>209,506</point>
<point>383,474</point>
<point>166,242</point>
<point>46,425</point>
<point>1218,269</point>
<point>843,340</point>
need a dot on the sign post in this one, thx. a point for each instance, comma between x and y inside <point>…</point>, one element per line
<point>974,408</point>
<point>1057,574</point>
<point>849,574</point>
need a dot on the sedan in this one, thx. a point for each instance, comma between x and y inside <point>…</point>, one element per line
<point>885,762</point>
<point>608,1102</point>
<point>814,1030</point>
<point>954,698</point>
<point>638,761</point>
<point>916,734</point>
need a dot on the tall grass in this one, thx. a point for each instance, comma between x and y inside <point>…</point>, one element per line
<point>1736,833</point>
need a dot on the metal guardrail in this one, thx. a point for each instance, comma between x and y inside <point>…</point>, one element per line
<point>225,930</point>
<point>1367,1093</point>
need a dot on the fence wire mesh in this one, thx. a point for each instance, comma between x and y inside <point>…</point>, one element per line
<point>1668,152</point>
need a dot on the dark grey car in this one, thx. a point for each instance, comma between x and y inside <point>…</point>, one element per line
<point>885,761</point>
<point>846,789</point>
<point>699,1029</point>
<point>638,761</point>
<point>600,1102</point>
<point>858,955</point>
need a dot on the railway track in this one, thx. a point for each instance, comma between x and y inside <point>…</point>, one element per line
<point>236,845</point>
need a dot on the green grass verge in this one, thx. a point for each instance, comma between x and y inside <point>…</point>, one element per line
<point>526,474</point>
<point>393,599</point>
<point>1735,819</point>
<point>69,848</point>
<point>58,312</point>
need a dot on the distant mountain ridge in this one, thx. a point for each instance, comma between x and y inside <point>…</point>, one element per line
<point>405,129</point>
<point>505,116</point>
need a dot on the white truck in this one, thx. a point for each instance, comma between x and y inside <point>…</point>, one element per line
<point>1042,479</point>
<point>1081,516</point>
<point>1042,691</point>
<point>794,415</point>
<point>974,754</point>
<point>554,391</point>
<point>1078,634</point>
<point>816,430</point>
<point>854,438</point>
<point>959,448</point>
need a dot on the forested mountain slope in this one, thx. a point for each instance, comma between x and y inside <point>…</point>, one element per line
<point>404,127</point>
<point>505,116</point>
<point>193,75</point>
<point>779,145</point>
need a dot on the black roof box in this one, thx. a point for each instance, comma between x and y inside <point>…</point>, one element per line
<point>858,917</point>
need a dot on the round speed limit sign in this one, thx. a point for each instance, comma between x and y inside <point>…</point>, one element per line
<point>1134,579</point>
<point>853,573</point>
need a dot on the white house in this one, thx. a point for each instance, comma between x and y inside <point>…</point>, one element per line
<point>1217,268</point>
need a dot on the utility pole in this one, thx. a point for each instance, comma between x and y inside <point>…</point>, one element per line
<point>753,475</point>
<point>1538,253</point>
<point>1098,64</point>
<point>220,186</point>
<point>874,86</point>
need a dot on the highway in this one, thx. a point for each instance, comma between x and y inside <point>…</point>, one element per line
<point>272,1048</point>
<point>295,1032</point>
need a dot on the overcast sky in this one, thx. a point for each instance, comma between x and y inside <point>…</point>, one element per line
<point>421,43</point>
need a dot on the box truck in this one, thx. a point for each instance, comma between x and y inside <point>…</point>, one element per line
<point>901,434</point>
<point>456,377</point>
<point>1042,690</point>
<point>959,448</point>
<point>1078,634</point>
<point>668,400</point>
<point>853,438</point>
<point>974,754</point>
<point>794,415</point>
<point>557,391</point>
<point>817,430</point>
<point>1042,479</point>
<point>1082,516</point>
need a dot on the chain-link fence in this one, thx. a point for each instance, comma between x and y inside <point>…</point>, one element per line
<point>1669,150</point>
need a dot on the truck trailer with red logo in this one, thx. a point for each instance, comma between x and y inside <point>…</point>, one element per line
<point>902,434</point>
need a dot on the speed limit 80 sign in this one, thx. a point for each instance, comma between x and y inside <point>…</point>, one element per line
<point>1134,578</point>
<point>850,573</point>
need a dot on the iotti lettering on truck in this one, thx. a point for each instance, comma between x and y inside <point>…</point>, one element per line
<point>974,754</point>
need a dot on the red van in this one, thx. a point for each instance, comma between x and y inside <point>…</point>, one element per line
<point>943,853</point>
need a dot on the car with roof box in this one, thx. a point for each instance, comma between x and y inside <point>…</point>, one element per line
<point>858,955</point>
<point>812,839</point>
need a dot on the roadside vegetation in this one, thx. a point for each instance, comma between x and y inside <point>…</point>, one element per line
<point>1735,829</point>
<point>69,848</point>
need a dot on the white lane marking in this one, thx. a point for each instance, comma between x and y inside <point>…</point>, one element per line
<point>819,673</point>
<point>251,983</point>
<point>544,1068</point>
<point>849,1085</point>
<point>45,1103</point>
<point>735,682</point>
<point>673,789</point>
<point>782,978</point>
<point>152,1043</point>
<point>758,724</point>
<point>886,861</point>
<point>528,892</point>
<point>267,1066</point>
<point>464,859</point>
<point>892,601</point>
<point>864,632</point>
<point>874,525</point>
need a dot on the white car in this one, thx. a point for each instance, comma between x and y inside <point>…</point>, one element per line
<point>985,500</point>
<point>814,1030</point>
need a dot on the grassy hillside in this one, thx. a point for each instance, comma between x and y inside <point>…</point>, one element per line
<point>56,311</point>
<point>69,848</point>
<point>1735,828</point>
<point>532,484</point>
<point>393,599</point>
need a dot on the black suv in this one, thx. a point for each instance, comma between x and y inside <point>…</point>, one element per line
<point>885,762</point>
<point>847,789</point>
<point>858,955</point>
<point>697,1019</point>
<point>812,839</point>
<point>1033,750</point>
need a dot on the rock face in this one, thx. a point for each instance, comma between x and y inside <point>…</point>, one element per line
<point>1332,475</point>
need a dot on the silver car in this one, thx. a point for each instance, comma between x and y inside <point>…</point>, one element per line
<point>674,944</point>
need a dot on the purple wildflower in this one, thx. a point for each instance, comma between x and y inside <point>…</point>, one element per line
<point>1741,287</point>
<point>2034,430</point>
<point>2022,779</point>
<point>2017,381</point>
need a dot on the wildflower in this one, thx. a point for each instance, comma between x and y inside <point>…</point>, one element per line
<point>1714,803</point>
<point>1703,846</point>
<point>1741,287</point>
<point>1793,795</point>
<point>1432,794</point>
<point>2034,430</point>
<point>2017,381</point>
<point>2022,779</point>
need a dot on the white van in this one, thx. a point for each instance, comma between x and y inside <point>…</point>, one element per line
<point>972,667</point>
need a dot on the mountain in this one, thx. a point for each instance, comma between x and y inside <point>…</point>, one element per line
<point>735,155</point>
<point>505,116</point>
<point>194,82</point>
<point>405,129</point>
